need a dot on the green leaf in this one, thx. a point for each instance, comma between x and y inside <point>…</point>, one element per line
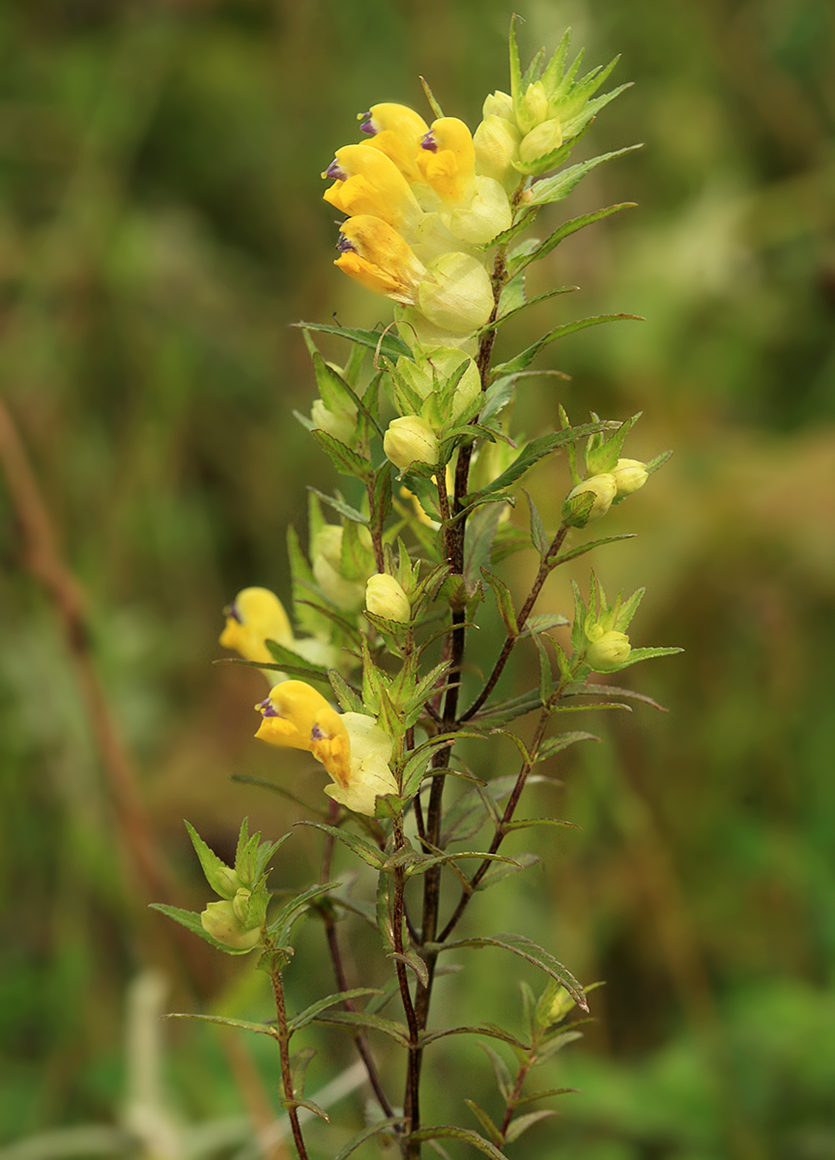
<point>377,1129</point>
<point>549,1094</point>
<point>349,700</point>
<point>504,711</point>
<point>645,654</point>
<point>574,553</point>
<point>531,454</point>
<point>485,1121</point>
<point>291,662</point>
<point>364,850</point>
<point>522,1123</point>
<point>447,1131</point>
<point>311,1107</point>
<point>529,354</point>
<point>504,1081</point>
<point>504,602</point>
<point>239,1024</point>
<point>387,344</point>
<point>516,265</point>
<point>293,910</point>
<point>539,537</point>
<point>310,1013</point>
<point>191,921</point>
<point>553,745</point>
<point>517,944</point>
<point>497,873</point>
<point>363,1021</point>
<point>423,863</point>
<point>551,189</point>
<point>339,505</point>
<point>546,679</point>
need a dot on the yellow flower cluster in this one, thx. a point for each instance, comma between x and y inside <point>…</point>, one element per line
<point>419,211</point>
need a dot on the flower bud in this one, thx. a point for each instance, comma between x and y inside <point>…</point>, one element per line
<point>220,920</point>
<point>540,143</point>
<point>630,475</point>
<point>562,1004</point>
<point>575,512</point>
<point>341,423</point>
<point>384,597</point>
<point>496,143</point>
<point>498,104</point>
<point>609,652</point>
<point>409,440</point>
<point>327,569</point>
<point>457,296</point>
<point>533,107</point>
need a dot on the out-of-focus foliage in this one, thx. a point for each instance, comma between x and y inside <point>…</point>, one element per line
<point>160,226</point>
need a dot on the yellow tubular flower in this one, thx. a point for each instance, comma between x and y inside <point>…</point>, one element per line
<point>369,182</point>
<point>297,717</point>
<point>396,130</point>
<point>370,776</point>
<point>256,615</point>
<point>352,747</point>
<point>447,160</point>
<point>375,255</point>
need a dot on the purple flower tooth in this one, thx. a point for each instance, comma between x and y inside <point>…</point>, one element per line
<point>367,124</point>
<point>428,142</point>
<point>335,172</point>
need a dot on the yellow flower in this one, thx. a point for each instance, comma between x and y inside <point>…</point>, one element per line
<point>608,651</point>
<point>447,160</point>
<point>376,256</point>
<point>396,130</point>
<point>352,747</point>
<point>409,440</point>
<point>297,717</point>
<point>368,182</point>
<point>256,615</point>
<point>222,921</point>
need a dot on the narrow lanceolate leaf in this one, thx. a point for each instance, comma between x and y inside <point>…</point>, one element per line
<point>549,1094</point>
<point>536,450</point>
<point>239,1024</point>
<point>553,745</point>
<point>380,1128</point>
<point>311,1107</point>
<point>191,921</point>
<point>522,1123</point>
<point>387,344</point>
<point>310,1013</point>
<point>448,1132</point>
<point>497,873</point>
<point>339,505</point>
<point>362,1021</point>
<point>539,537</point>
<point>504,711</point>
<point>349,700</point>
<point>646,654</point>
<point>290,661</point>
<point>574,553</point>
<point>504,1081</point>
<point>552,189</point>
<point>478,540</point>
<point>529,354</point>
<point>504,602</point>
<point>517,944</point>
<point>369,854</point>
<point>485,1121</point>
<point>293,910</point>
<point>517,264</point>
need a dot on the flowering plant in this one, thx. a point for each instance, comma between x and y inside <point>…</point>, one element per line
<point>437,220</point>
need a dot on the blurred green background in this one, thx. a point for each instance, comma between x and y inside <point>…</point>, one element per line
<point>160,227</point>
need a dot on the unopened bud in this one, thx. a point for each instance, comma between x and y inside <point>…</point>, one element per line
<point>498,104</point>
<point>220,920</point>
<point>457,295</point>
<point>384,597</point>
<point>410,440</point>
<point>496,142</point>
<point>576,512</point>
<point>533,108</point>
<point>630,475</point>
<point>541,142</point>
<point>609,652</point>
<point>561,1006</point>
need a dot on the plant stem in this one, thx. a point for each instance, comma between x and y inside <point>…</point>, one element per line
<point>545,569</point>
<point>284,1049</point>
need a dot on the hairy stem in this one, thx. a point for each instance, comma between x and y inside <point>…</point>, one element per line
<point>286,1074</point>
